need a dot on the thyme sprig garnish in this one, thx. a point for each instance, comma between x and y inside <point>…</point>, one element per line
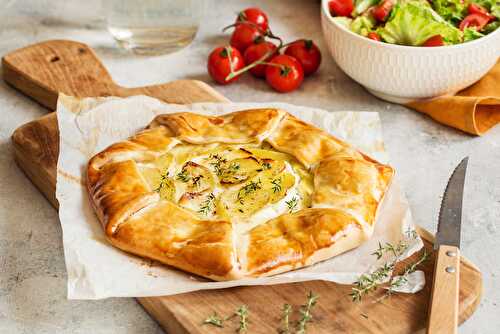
<point>183,176</point>
<point>218,163</point>
<point>208,205</point>
<point>276,185</point>
<point>247,189</point>
<point>214,320</point>
<point>266,165</point>
<point>242,313</point>
<point>292,204</point>
<point>370,282</point>
<point>287,310</point>
<point>197,180</point>
<point>305,312</point>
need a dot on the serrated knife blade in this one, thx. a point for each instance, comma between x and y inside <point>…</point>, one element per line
<point>450,213</point>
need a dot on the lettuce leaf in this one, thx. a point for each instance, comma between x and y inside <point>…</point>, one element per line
<point>471,34</point>
<point>360,6</point>
<point>343,21</point>
<point>362,25</point>
<point>490,27</point>
<point>414,22</point>
<point>451,10</point>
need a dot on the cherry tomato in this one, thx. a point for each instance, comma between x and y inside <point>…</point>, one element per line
<point>307,53</point>
<point>254,15</point>
<point>255,52</point>
<point>341,7</point>
<point>478,9</point>
<point>244,35</point>
<point>219,66</point>
<point>434,41</point>
<point>286,77</point>
<point>474,20</point>
<point>382,11</point>
<point>374,36</point>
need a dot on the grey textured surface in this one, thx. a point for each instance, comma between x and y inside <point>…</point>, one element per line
<point>32,272</point>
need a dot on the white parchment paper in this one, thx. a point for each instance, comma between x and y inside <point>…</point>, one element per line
<point>98,270</point>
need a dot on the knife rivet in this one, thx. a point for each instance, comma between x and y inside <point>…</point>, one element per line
<point>450,270</point>
<point>451,253</point>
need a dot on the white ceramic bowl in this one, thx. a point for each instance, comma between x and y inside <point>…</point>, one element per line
<point>405,73</point>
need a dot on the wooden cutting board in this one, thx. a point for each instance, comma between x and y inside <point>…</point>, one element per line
<point>42,70</point>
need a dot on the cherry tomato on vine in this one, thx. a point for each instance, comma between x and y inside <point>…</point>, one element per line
<point>307,53</point>
<point>434,41</point>
<point>284,73</point>
<point>382,11</point>
<point>474,20</point>
<point>374,36</point>
<point>244,35</point>
<point>255,52</point>
<point>254,15</point>
<point>474,8</point>
<point>341,7</point>
<point>219,66</point>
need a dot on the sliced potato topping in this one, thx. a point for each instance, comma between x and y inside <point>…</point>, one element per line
<point>155,174</point>
<point>239,170</point>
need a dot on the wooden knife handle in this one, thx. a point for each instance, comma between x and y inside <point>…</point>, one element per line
<point>443,312</point>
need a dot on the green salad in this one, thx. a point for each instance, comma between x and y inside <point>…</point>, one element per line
<point>418,22</point>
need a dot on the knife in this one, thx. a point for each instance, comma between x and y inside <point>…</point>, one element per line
<point>443,312</point>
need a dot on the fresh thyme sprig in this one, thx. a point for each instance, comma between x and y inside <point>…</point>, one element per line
<point>371,281</point>
<point>164,182</point>
<point>208,205</point>
<point>197,180</point>
<point>266,165</point>
<point>292,204</point>
<point>214,320</point>
<point>305,311</point>
<point>287,310</point>
<point>242,313</point>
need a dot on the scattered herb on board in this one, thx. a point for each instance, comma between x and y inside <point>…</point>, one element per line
<point>207,205</point>
<point>292,204</point>
<point>403,278</point>
<point>242,313</point>
<point>305,313</point>
<point>287,310</point>
<point>214,320</point>
<point>276,185</point>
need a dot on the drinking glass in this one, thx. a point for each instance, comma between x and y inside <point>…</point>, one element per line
<point>153,26</point>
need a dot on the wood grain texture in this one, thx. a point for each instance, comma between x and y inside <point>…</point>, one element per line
<point>443,311</point>
<point>36,146</point>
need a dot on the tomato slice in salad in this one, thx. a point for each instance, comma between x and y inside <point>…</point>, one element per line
<point>434,41</point>
<point>341,7</point>
<point>382,11</point>
<point>374,36</point>
<point>474,20</point>
<point>474,8</point>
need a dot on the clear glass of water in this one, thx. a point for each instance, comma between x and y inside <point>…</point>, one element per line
<point>154,26</point>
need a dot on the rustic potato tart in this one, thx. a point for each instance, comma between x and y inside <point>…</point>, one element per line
<point>247,194</point>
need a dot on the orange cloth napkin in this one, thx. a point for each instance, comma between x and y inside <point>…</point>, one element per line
<point>475,109</point>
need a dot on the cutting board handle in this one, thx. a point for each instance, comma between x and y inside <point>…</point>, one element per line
<point>44,70</point>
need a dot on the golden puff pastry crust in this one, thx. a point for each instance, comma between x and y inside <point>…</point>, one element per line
<point>247,194</point>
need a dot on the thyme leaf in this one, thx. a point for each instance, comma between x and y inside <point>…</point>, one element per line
<point>403,278</point>
<point>217,163</point>
<point>183,176</point>
<point>276,185</point>
<point>164,183</point>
